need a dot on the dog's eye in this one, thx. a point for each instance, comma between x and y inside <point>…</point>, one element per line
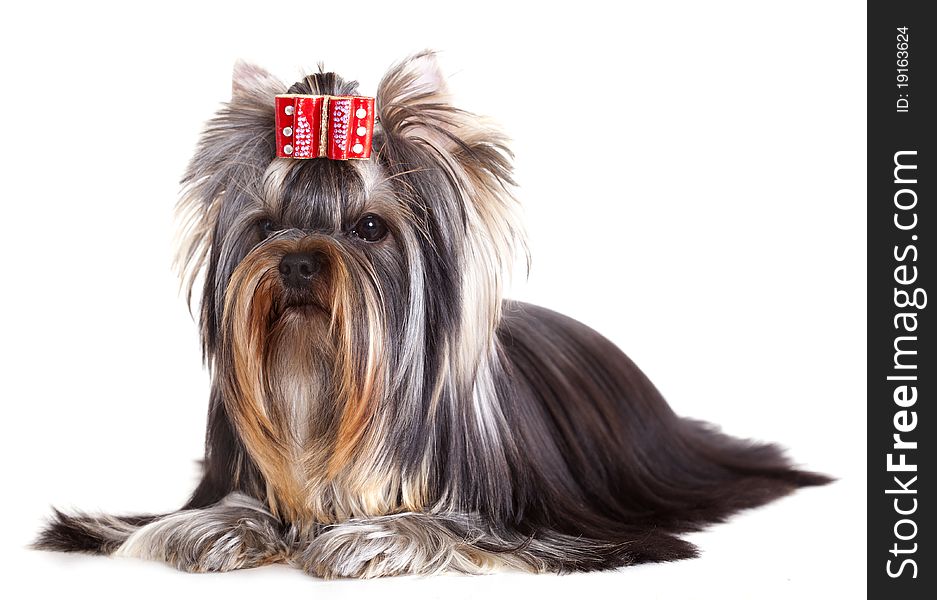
<point>370,228</point>
<point>268,227</point>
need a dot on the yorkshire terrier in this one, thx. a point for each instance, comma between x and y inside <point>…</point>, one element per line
<point>377,408</point>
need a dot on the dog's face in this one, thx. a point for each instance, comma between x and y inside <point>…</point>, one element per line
<point>336,292</point>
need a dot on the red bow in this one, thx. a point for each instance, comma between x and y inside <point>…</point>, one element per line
<point>336,127</point>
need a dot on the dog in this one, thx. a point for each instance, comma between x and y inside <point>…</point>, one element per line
<point>377,408</point>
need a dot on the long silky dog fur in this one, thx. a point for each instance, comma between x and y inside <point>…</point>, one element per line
<point>399,416</point>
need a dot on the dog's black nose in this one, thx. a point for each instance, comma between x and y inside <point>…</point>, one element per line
<point>298,268</point>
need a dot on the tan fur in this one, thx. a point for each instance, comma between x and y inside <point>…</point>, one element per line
<point>314,474</point>
<point>248,309</point>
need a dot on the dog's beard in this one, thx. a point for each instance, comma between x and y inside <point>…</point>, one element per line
<point>297,378</point>
<point>302,371</point>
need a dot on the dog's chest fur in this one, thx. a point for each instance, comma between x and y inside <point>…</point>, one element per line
<point>301,399</point>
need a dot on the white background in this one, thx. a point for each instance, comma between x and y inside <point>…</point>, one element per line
<point>716,233</point>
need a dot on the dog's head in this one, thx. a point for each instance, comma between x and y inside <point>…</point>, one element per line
<point>376,282</point>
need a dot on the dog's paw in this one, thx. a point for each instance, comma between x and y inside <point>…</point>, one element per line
<point>381,547</point>
<point>220,538</point>
<point>242,546</point>
<point>358,550</point>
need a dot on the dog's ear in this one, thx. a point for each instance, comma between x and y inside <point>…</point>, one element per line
<point>414,109</point>
<point>413,99</point>
<point>233,152</point>
<point>252,83</point>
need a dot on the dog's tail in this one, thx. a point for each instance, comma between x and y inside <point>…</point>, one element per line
<point>92,534</point>
<point>716,475</point>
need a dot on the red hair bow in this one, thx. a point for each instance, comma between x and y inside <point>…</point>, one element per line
<point>336,127</point>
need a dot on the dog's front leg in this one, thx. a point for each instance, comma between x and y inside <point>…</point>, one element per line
<point>400,544</point>
<point>427,543</point>
<point>236,533</point>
